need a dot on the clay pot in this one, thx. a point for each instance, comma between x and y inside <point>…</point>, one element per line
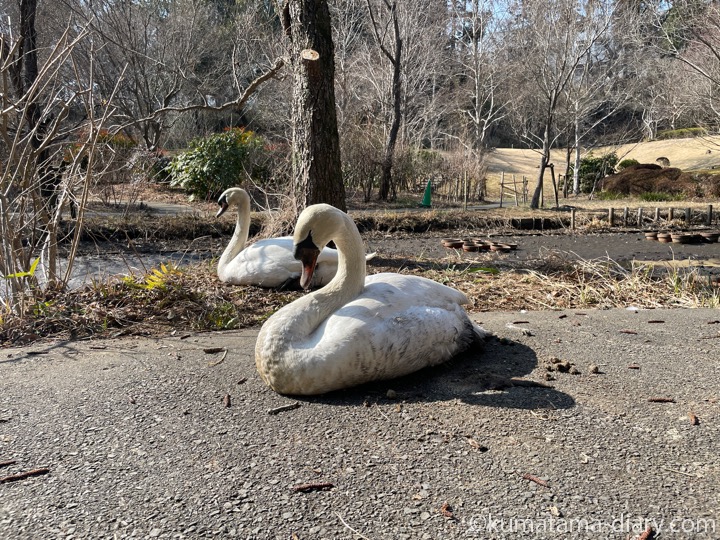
<point>452,243</point>
<point>665,238</point>
<point>681,238</point>
<point>651,235</point>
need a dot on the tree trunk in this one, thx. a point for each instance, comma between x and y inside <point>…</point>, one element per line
<point>316,146</point>
<point>386,179</point>
<point>394,56</point>
<point>535,203</point>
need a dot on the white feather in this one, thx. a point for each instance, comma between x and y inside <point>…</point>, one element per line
<point>359,329</point>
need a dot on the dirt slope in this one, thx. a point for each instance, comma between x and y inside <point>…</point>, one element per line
<point>685,154</point>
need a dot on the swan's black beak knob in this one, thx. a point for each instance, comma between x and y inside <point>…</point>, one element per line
<point>222,202</point>
<point>307,253</point>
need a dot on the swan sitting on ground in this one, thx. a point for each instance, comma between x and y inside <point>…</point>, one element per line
<point>357,329</point>
<point>269,262</point>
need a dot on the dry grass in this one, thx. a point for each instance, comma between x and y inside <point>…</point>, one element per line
<point>169,300</point>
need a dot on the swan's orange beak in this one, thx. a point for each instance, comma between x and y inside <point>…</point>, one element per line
<point>223,206</point>
<point>307,253</point>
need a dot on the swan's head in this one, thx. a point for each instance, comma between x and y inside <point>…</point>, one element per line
<point>230,197</point>
<point>316,227</point>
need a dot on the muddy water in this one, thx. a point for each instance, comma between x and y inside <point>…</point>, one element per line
<point>106,261</point>
<point>620,247</point>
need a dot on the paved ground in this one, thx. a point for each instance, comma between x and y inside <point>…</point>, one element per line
<point>140,441</point>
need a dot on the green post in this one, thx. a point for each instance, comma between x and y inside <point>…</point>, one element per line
<point>428,194</point>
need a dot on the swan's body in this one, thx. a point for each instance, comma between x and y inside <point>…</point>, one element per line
<point>269,262</point>
<point>357,329</point>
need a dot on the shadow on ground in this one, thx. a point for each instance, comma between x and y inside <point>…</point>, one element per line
<point>491,375</point>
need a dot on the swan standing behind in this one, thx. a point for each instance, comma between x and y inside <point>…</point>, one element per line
<point>267,263</point>
<point>354,329</point>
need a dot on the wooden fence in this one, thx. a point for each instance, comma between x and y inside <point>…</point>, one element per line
<point>642,217</point>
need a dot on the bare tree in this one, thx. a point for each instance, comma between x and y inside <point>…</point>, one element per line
<point>390,42</point>
<point>478,47</point>
<point>45,156</point>
<point>551,40</point>
<point>689,32</point>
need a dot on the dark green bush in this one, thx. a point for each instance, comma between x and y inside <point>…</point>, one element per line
<point>593,169</point>
<point>212,164</point>
<point>625,163</point>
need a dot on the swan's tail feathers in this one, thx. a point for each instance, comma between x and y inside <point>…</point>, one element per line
<point>371,256</point>
<point>480,333</point>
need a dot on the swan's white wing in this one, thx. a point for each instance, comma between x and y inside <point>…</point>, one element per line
<point>398,325</point>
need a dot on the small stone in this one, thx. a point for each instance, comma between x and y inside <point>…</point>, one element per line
<point>155,533</point>
<point>594,369</point>
<point>391,394</point>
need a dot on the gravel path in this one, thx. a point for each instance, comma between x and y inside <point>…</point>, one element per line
<point>140,441</point>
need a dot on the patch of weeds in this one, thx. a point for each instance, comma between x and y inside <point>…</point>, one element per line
<point>223,317</point>
<point>609,196</point>
<point>657,196</point>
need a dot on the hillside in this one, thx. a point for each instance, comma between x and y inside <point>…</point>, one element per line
<point>685,154</point>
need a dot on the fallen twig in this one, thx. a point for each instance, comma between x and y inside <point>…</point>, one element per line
<point>284,408</point>
<point>213,364</point>
<point>23,475</point>
<point>527,383</point>
<point>380,411</point>
<point>625,331</point>
<point>661,400</point>
<point>315,486</point>
<point>681,472</point>
<point>349,527</point>
<point>7,463</point>
<point>535,479</point>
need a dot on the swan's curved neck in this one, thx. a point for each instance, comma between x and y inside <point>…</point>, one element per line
<point>240,235</point>
<point>303,316</point>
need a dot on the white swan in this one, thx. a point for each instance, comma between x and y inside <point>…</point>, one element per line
<point>269,262</point>
<point>357,329</point>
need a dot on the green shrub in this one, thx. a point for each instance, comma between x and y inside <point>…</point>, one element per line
<point>212,164</point>
<point>684,133</point>
<point>593,169</point>
<point>656,196</point>
<point>625,163</point>
<point>609,196</point>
